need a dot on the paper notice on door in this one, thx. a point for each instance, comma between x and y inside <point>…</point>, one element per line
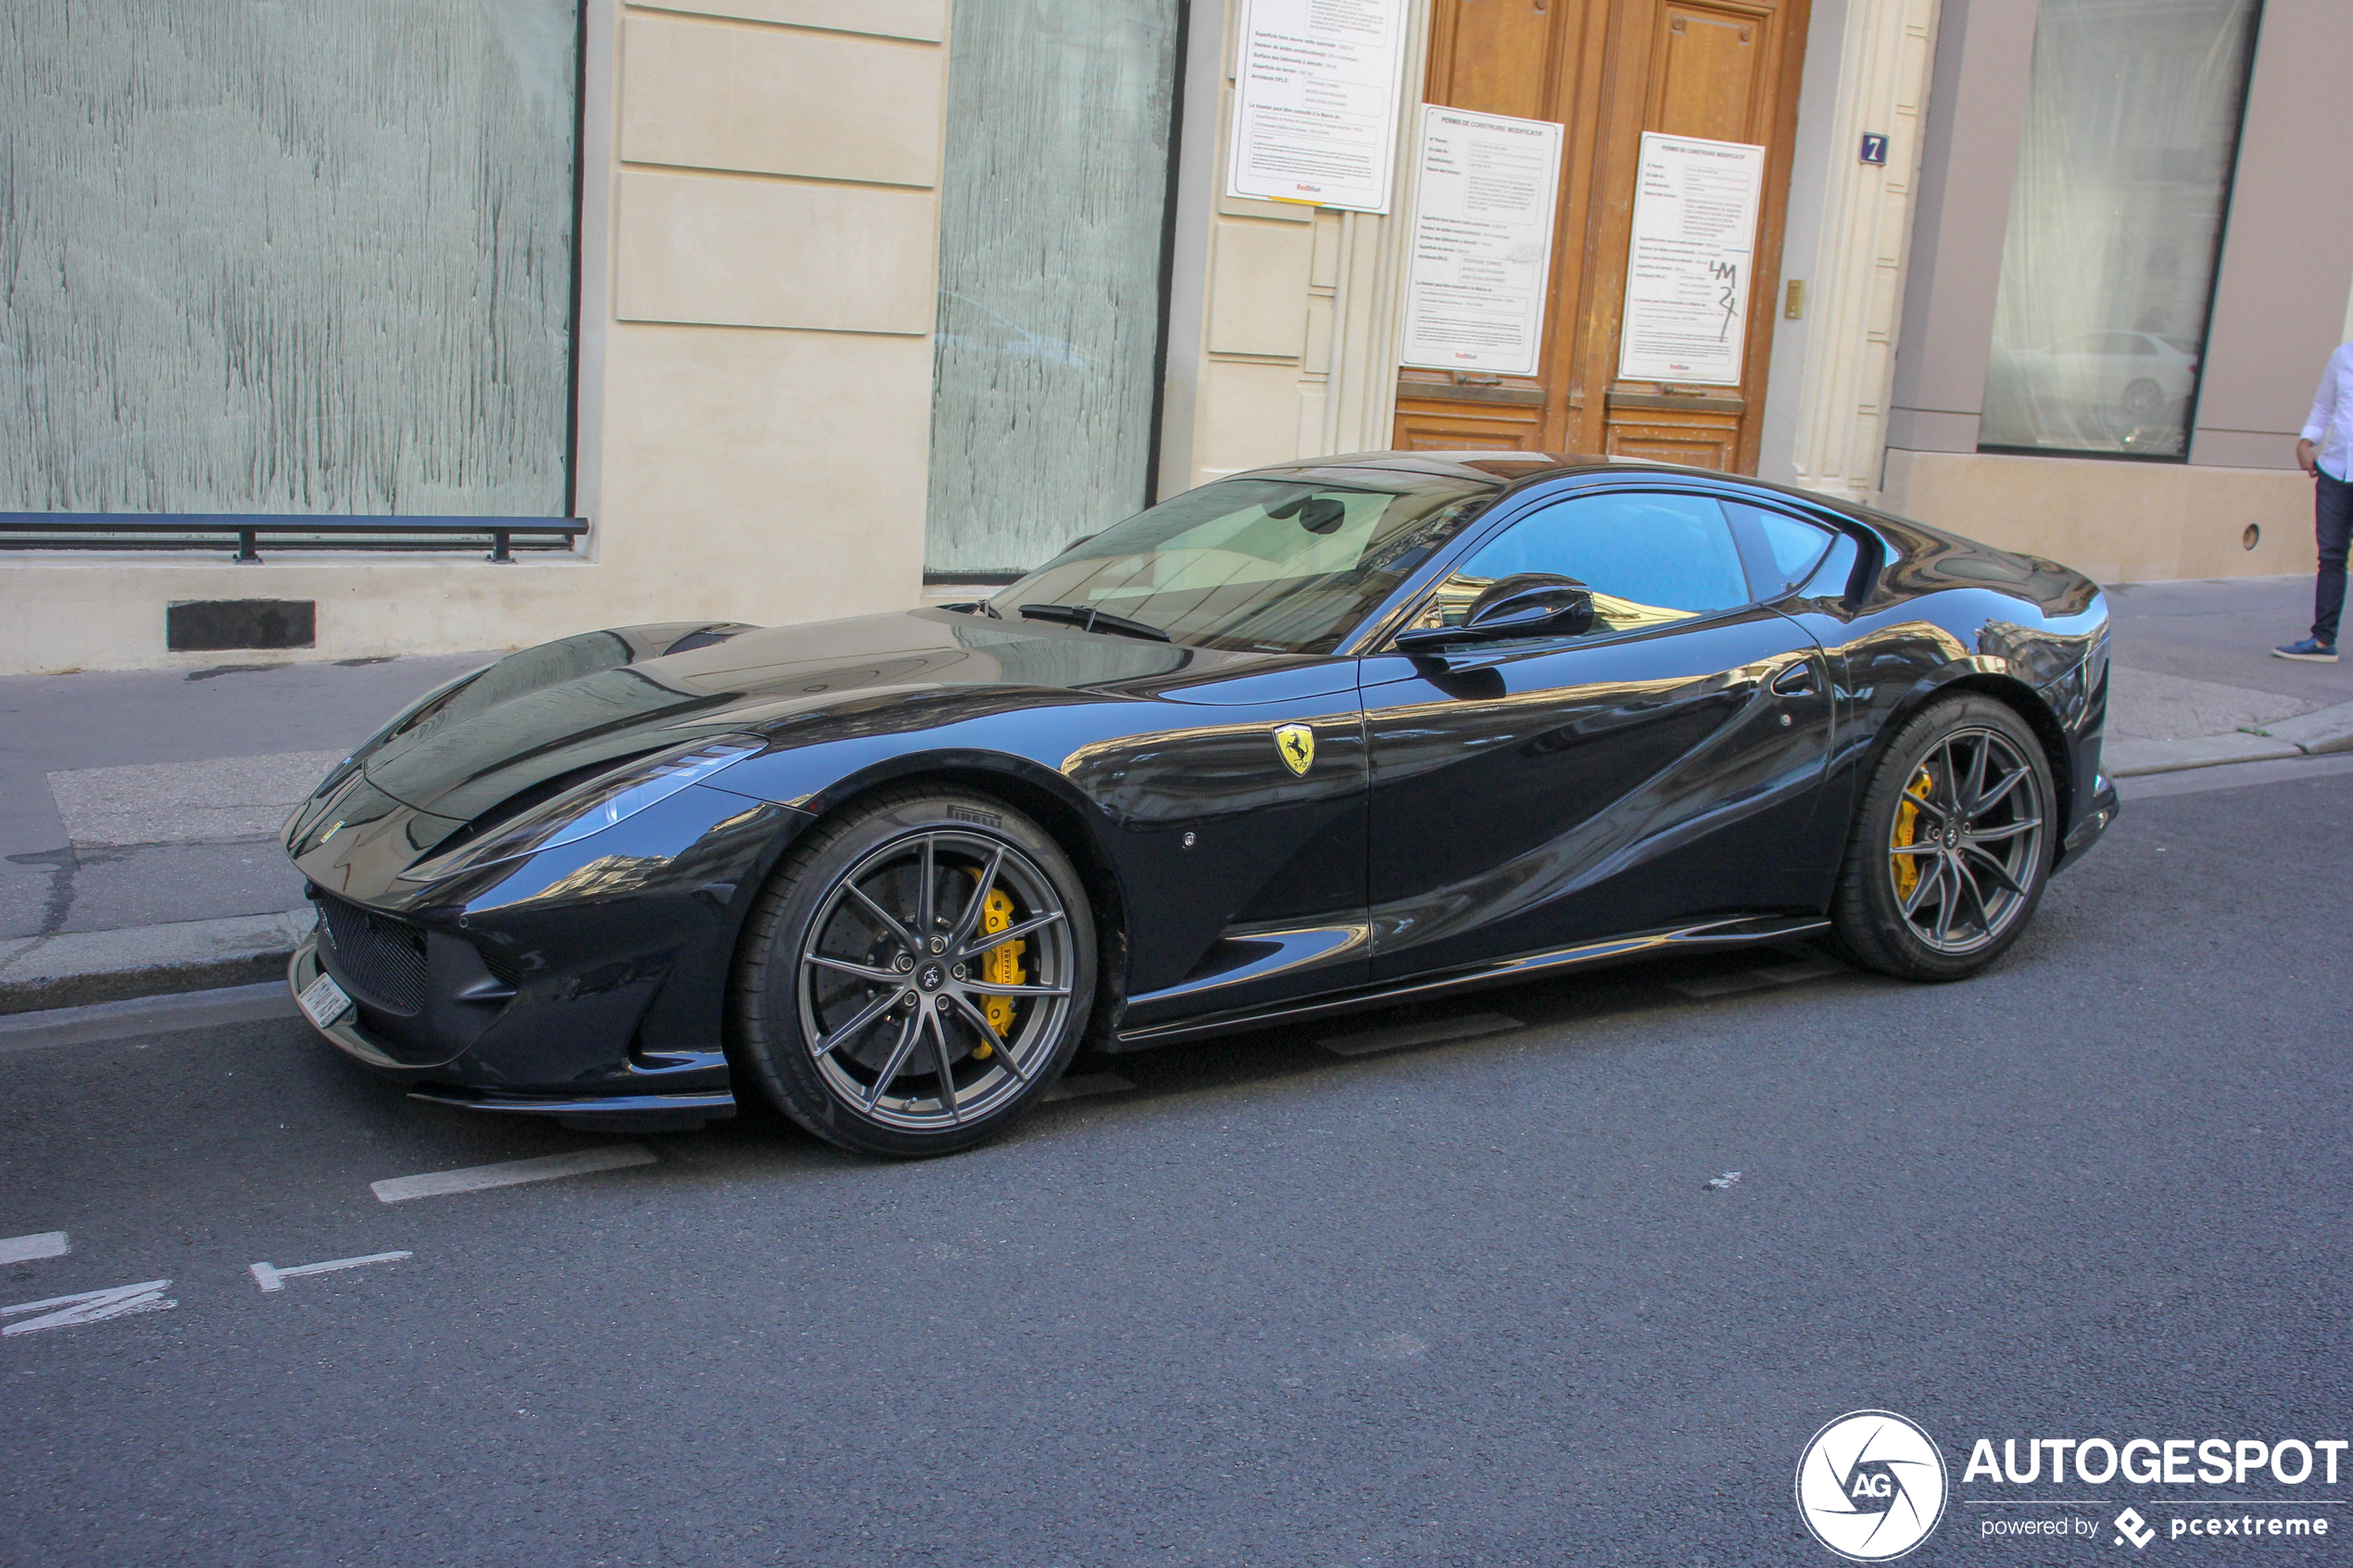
<point>1687,268</point>
<point>1482,242</point>
<point>1315,99</point>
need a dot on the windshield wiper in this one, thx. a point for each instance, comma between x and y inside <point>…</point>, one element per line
<point>1094,621</point>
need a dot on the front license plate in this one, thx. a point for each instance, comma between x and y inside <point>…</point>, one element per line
<point>322,1001</point>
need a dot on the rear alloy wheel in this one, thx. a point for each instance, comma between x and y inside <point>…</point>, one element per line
<point>915,974</point>
<point>1951,849</point>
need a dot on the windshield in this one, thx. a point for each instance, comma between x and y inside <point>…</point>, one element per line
<point>1283,565</point>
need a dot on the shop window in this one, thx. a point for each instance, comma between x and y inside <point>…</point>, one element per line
<point>262,257</point>
<point>1053,216</point>
<point>2116,222</point>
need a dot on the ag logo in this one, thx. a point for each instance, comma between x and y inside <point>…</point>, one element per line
<point>1297,744</point>
<point>1870,1486</point>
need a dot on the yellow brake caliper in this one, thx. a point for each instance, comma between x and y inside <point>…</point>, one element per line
<point>1000,965</point>
<point>1907,816</point>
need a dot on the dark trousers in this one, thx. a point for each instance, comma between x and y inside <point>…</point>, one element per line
<point>2333,519</point>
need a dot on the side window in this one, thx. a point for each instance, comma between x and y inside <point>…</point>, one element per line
<point>1649,559</point>
<point>1781,550</point>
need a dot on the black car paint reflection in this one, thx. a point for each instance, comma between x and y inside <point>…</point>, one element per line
<point>1480,815</point>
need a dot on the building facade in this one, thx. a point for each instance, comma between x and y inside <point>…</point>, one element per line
<point>807,308</point>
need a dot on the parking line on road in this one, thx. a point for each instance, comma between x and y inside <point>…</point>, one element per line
<point>1365,1042</point>
<point>270,1277</point>
<point>514,1173</point>
<point>90,1306</point>
<point>25,1249</point>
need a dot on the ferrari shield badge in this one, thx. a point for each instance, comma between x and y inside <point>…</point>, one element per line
<point>1297,743</point>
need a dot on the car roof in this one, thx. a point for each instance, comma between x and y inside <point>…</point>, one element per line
<point>1511,471</point>
<point>1494,467</point>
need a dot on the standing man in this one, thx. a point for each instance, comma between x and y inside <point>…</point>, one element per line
<point>2325,451</point>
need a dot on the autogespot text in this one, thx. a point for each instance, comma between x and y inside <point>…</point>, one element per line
<point>2150,1462</point>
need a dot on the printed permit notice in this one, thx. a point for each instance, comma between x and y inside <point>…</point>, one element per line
<point>1482,242</point>
<point>1688,272</point>
<point>1315,102</point>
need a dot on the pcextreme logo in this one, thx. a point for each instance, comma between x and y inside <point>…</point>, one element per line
<point>1870,1486</point>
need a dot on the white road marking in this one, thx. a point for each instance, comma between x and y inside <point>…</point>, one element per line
<point>25,1249</point>
<point>91,1306</point>
<point>270,1277</point>
<point>514,1173</point>
<point>1366,1041</point>
<point>1082,1084</point>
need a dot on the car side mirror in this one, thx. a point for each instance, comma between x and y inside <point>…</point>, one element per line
<point>1528,605</point>
<point>1323,515</point>
<point>1317,514</point>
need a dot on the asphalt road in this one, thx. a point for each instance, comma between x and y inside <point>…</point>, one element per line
<point>1461,1303</point>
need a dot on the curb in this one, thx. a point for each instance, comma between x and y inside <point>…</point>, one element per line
<point>2322,733</point>
<point>2316,734</point>
<point>75,968</point>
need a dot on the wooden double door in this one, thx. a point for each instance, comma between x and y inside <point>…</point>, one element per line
<point>1609,70</point>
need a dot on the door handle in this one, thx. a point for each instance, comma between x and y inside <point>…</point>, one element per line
<point>1795,680</point>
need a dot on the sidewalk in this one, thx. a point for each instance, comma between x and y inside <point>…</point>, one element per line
<point>139,811</point>
<point>138,815</point>
<point>2195,685</point>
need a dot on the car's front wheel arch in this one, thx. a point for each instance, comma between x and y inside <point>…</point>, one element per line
<point>2039,717</point>
<point>1073,826</point>
<point>1065,816</point>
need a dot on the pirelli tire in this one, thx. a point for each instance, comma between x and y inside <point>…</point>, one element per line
<point>915,974</point>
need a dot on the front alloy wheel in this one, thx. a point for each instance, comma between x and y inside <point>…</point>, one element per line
<point>936,979</point>
<point>915,974</point>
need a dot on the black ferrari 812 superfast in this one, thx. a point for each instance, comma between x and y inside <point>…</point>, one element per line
<point>1305,740</point>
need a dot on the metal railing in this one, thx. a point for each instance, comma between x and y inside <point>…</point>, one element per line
<point>200,531</point>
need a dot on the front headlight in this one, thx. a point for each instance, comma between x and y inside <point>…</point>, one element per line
<point>591,807</point>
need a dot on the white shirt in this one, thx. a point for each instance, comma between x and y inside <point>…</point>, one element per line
<point>2331,426</point>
